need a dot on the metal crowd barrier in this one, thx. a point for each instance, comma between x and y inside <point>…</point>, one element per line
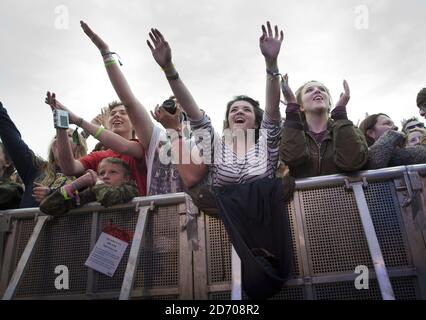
<point>157,265</point>
<point>372,219</point>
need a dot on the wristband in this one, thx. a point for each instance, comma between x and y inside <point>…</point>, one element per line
<point>110,63</point>
<point>110,54</point>
<point>273,73</point>
<point>98,132</point>
<point>166,69</point>
<point>173,77</point>
<point>64,193</point>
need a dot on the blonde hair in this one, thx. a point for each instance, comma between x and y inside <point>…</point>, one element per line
<point>421,130</point>
<point>49,166</point>
<point>299,94</point>
<point>127,172</point>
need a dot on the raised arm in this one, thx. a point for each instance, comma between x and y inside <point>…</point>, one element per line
<point>293,149</point>
<point>108,138</point>
<point>350,148</point>
<point>193,172</point>
<point>270,45</point>
<point>138,114</point>
<point>162,53</point>
<point>69,165</point>
<point>22,156</point>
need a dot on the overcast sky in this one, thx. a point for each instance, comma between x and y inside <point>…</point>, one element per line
<point>377,45</point>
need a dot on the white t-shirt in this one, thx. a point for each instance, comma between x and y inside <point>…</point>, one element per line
<point>162,175</point>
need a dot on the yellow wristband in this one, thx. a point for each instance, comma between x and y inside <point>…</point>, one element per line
<point>110,63</point>
<point>98,132</point>
<point>166,69</point>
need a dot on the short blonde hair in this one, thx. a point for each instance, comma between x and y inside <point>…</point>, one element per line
<point>299,94</point>
<point>127,172</point>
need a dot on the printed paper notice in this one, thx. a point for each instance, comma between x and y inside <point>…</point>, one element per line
<point>107,254</point>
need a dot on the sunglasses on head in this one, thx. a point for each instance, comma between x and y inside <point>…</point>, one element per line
<point>417,125</point>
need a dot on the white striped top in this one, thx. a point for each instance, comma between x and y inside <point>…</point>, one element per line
<point>259,162</point>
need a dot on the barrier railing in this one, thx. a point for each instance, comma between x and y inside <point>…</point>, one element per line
<point>331,246</point>
<point>368,226</point>
<point>158,263</point>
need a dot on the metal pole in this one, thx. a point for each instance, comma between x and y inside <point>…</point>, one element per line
<point>236,276</point>
<point>373,243</point>
<point>25,259</point>
<point>133,261</point>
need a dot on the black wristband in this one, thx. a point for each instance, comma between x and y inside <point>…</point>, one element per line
<point>273,73</point>
<point>173,77</point>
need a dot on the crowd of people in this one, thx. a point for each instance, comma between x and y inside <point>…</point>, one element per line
<point>137,157</point>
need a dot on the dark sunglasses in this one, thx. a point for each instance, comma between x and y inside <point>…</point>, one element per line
<point>417,125</point>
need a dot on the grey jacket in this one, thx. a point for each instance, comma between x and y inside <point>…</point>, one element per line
<point>388,151</point>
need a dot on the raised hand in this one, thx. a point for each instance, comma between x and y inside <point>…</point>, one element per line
<point>168,120</point>
<point>287,92</point>
<point>344,97</point>
<point>160,49</point>
<point>99,43</point>
<point>102,118</point>
<point>55,104</point>
<point>270,43</point>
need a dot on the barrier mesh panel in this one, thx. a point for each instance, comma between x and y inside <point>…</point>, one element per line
<point>222,295</point>
<point>219,249</point>
<point>333,231</point>
<point>387,223</point>
<point>287,293</point>
<point>158,262</point>
<point>26,229</point>
<point>336,240</point>
<point>159,259</point>
<point>63,241</point>
<point>126,219</point>
<point>296,257</point>
<point>404,289</point>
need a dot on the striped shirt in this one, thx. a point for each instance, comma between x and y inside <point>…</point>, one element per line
<point>227,167</point>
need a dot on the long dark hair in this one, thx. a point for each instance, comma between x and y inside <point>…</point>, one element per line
<point>368,124</point>
<point>258,112</point>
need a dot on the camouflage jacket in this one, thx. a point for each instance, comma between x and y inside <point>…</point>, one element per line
<point>107,196</point>
<point>10,195</point>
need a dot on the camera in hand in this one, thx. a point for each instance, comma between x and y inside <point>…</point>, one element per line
<point>60,119</point>
<point>170,106</point>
